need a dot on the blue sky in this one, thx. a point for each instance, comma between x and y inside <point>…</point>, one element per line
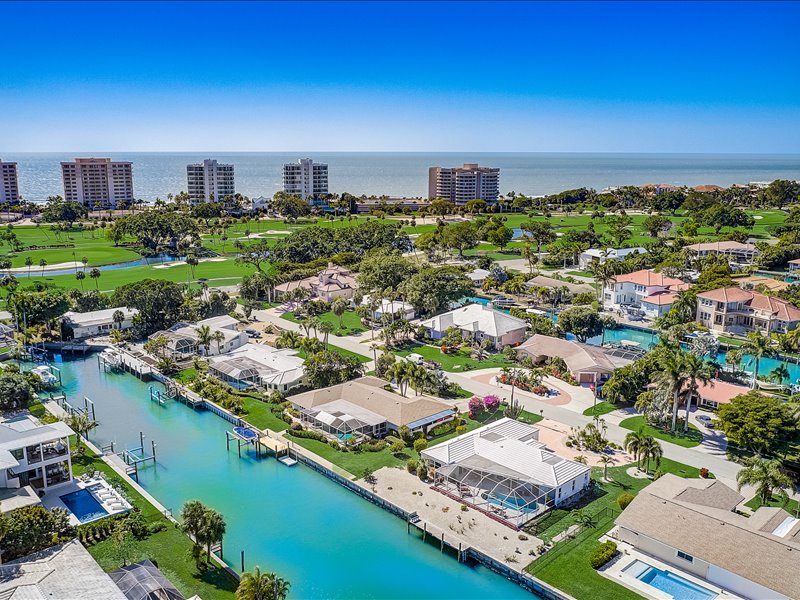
<point>416,76</point>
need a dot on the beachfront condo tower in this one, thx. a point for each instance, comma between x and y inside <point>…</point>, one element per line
<point>9,186</point>
<point>209,181</point>
<point>98,183</point>
<point>305,178</point>
<point>462,184</point>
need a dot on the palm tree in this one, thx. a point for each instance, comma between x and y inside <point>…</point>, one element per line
<point>606,460</point>
<point>338,307</point>
<point>204,337</point>
<point>780,373</point>
<point>81,424</point>
<point>650,450</point>
<point>401,373</point>
<point>29,264</point>
<point>192,516</point>
<point>118,318</point>
<point>695,370</point>
<point>218,337</point>
<point>85,262</point>
<point>43,264</point>
<point>212,528</point>
<point>314,324</point>
<point>95,274</point>
<point>672,378</point>
<point>325,328</point>
<point>191,263</point>
<point>757,345</point>
<point>261,586</point>
<point>767,476</point>
<point>374,347</point>
<point>634,442</point>
<point>80,276</point>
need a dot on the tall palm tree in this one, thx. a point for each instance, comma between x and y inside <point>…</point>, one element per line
<point>634,442</point>
<point>325,328</point>
<point>218,337</point>
<point>650,450</point>
<point>672,378</point>
<point>95,274</point>
<point>81,424</point>
<point>374,347</point>
<point>212,528</point>
<point>695,371</point>
<point>758,346</point>
<point>43,264</point>
<point>780,373</point>
<point>192,514</point>
<point>80,276</point>
<point>262,586</point>
<point>204,337</point>
<point>29,264</point>
<point>606,460</point>
<point>118,317</point>
<point>767,476</point>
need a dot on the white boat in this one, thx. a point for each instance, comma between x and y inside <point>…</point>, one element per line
<point>45,375</point>
<point>111,356</point>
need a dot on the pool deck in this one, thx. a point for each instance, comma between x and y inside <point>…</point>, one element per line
<point>628,555</point>
<point>109,499</point>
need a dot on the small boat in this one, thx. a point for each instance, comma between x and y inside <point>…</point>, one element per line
<point>111,356</point>
<point>771,387</point>
<point>44,373</point>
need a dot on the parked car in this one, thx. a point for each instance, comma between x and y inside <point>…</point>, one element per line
<point>416,359</point>
<point>705,420</point>
<point>253,333</point>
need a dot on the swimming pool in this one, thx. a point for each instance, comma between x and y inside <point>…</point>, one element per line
<point>519,504</point>
<point>671,584</point>
<point>84,506</point>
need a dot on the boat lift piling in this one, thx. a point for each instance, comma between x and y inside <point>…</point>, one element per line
<point>133,457</point>
<point>157,396</point>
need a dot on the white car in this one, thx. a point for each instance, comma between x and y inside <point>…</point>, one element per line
<point>705,420</point>
<point>416,359</point>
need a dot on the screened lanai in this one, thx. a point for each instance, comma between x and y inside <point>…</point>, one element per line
<point>344,420</point>
<point>240,372</point>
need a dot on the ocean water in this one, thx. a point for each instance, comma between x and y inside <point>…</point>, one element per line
<point>406,174</point>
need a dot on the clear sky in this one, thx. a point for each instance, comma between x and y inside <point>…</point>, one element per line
<point>415,76</point>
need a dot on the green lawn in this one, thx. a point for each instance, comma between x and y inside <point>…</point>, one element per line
<point>457,361</point>
<point>186,376</point>
<point>260,415</point>
<point>691,439</point>
<point>566,566</point>
<point>791,506</point>
<point>351,322</point>
<point>599,409</point>
<point>580,273</point>
<point>343,351</point>
<point>170,548</point>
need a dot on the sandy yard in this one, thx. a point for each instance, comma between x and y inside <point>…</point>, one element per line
<point>554,435</point>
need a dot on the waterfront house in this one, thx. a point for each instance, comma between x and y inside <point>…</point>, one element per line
<point>479,322</point>
<point>586,364</point>
<point>593,256</point>
<point>261,366</point>
<point>220,322</point>
<point>97,322</point>
<point>737,252</point>
<point>183,340</point>
<point>502,468</point>
<point>365,407</point>
<point>63,571</point>
<point>641,290</point>
<point>32,455</point>
<point>734,310</point>
<point>690,525</point>
<point>761,283</point>
<point>333,282</point>
<point>551,283</point>
<point>716,393</point>
<point>478,276</point>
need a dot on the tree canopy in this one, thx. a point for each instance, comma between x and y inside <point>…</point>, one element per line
<point>755,421</point>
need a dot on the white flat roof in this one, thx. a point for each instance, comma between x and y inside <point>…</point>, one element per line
<point>98,317</point>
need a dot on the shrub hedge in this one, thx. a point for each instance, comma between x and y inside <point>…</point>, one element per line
<point>602,554</point>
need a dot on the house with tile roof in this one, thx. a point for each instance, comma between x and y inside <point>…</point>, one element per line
<point>734,310</point>
<point>690,525</point>
<point>653,293</point>
<point>333,282</point>
<point>736,251</point>
<point>479,322</point>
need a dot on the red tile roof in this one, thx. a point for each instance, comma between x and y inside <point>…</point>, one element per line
<point>650,278</point>
<point>781,309</point>
<point>661,299</point>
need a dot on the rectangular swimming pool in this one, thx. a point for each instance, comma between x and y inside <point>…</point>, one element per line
<point>671,584</point>
<point>84,506</point>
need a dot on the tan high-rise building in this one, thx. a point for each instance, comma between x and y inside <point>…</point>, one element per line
<point>305,178</point>
<point>9,185</point>
<point>98,182</point>
<point>462,184</point>
<point>209,181</point>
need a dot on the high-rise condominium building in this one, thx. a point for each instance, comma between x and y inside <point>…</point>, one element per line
<point>462,184</point>
<point>98,182</point>
<point>305,179</point>
<point>209,181</point>
<point>9,186</point>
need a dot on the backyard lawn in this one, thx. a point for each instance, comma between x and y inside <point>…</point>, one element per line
<point>456,361</point>
<point>170,548</point>
<point>343,351</point>
<point>350,324</point>
<point>258,414</point>
<point>566,566</point>
<point>791,506</point>
<point>691,439</point>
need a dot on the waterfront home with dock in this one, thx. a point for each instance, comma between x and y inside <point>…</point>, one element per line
<point>734,310</point>
<point>480,322</point>
<point>737,252</point>
<point>97,322</point>
<point>690,525</point>
<point>261,366</point>
<point>647,290</point>
<point>503,469</point>
<point>586,363</point>
<point>593,256</point>
<point>364,407</point>
<point>183,340</point>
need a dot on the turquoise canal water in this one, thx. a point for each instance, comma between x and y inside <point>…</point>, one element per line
<point>326,540</point>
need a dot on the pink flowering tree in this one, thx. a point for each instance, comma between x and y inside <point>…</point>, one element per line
<point>476,405</point>
<point>491,402</point>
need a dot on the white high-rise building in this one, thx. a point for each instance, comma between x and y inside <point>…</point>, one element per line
<point>462,184</point>
<point>305,178</point>
<point>9,185</point>
<point>98,182</point>
<point>209,181</point>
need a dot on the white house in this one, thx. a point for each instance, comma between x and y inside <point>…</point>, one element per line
<point>33,455</point>
<point>183,340</point>
<point>737,251</point>
<point>478,276</point>
<point>402,310</point>
<point>598,255</point>
<point>647,290</point>
<point>504,469</point>
<point>220,322</point>
<point>690,525</point>
<point>480,322</point>
<point>257,365</point>
<point>98,322</point>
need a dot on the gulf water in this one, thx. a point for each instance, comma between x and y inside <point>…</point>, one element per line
<point>328,542</point>
<point>406,174</point>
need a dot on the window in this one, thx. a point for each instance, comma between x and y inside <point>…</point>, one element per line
<point>686,557</point>
<point>19,453</point>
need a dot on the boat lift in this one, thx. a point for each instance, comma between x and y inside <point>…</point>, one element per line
<point>134,457</point>
<point>158,396</point>
<point>263,444</point>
